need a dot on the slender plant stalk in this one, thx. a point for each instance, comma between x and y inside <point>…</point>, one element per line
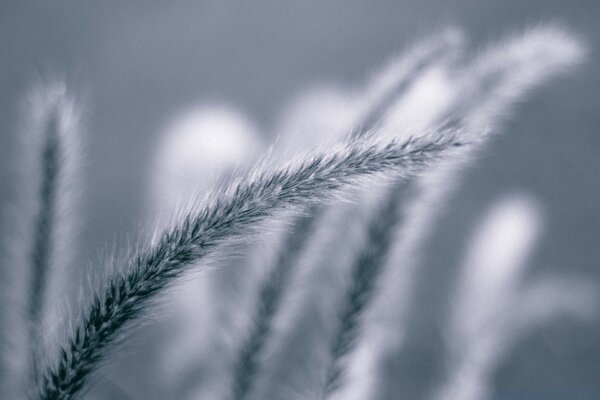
<point>269,300</point>
<point>43,240</point>
<point>365,270</point>
<point>228,214</point>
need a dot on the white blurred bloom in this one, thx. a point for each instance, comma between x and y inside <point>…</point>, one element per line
<point>197,148</point>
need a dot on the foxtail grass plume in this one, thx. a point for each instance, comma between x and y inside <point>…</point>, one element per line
<point>227,214</point>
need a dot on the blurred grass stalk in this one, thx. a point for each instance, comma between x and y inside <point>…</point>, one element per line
<point>493,307</point>
<point>42,241</point>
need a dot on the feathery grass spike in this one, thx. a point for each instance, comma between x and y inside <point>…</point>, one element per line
<point>228,214</point>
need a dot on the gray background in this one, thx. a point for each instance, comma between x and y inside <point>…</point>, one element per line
<point>138,63</point>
